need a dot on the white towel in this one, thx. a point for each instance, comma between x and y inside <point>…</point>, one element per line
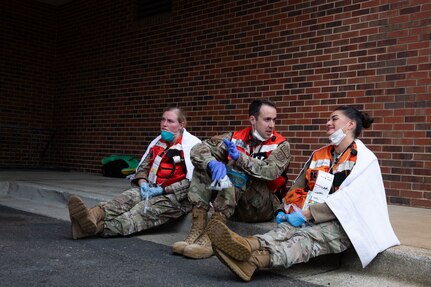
<point>360,206</point>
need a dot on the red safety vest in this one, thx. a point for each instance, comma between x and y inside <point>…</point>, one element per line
<point>243,139</point>
<point>172,167</point>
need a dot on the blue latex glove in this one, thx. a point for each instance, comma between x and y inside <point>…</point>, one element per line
<point>155,191</point>
<point>231,149</point>
<point>144,189</point>
<point>295,219</point>
<point>281,217</point>
<point>218,169</point>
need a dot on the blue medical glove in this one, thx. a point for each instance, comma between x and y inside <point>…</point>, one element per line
<point>281,217</point>
<point>155,191</point>
<point>144,189</point>
<point>231,149</point>
<point>218,169</point>
<point>295,219</point>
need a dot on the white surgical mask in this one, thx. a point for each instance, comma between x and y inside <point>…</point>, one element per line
<point>257,135</point>
<point>337,137</point>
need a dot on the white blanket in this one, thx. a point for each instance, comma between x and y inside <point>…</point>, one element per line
<point>187,143</point>
<point>360,206</point>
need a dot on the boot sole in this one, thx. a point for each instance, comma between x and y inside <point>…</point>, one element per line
<point>226,260</point>
<point>222,238</point>
<point>73,228</point>
<point>79,212</point>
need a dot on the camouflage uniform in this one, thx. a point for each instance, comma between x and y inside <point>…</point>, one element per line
<point>290,245</point>
<point>254,201</point>
<point>125,215</point>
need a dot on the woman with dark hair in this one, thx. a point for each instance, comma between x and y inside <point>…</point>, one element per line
<point>337,201</point>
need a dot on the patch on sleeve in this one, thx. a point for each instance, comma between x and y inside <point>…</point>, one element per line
<point>283,153</point>
<point>217,140</point>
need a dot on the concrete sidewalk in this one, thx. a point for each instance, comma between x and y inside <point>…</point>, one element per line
<point>46,192</point>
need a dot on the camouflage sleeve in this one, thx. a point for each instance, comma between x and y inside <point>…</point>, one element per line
<point>321,212</point>
<point>179,188</point>
<point>208,150</point>
<point>143,170</point>
<point>270,168</point>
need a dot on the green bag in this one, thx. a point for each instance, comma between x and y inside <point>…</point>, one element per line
<point>119,165</point>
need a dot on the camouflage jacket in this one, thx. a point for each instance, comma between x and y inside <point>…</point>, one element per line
<point>258,170</point>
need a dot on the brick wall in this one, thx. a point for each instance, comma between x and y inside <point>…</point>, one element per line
<point>115,73</point>
<point>27,59</point>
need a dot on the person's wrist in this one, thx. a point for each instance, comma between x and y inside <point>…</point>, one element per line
<point>236,156</point>
<point>307,214</point>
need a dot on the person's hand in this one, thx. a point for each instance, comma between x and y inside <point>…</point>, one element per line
<point>281,217</point>
<point>231,149</point>
<point>218,170</point>
<point>295,219</point>
<point>144,189</point>
<point>155,191</point>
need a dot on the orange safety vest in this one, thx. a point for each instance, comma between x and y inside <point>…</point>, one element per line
<point>172,167</point>
<point>322,160</point>
<point>243,140</point>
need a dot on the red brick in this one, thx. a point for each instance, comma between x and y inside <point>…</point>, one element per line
<point>104,77</point>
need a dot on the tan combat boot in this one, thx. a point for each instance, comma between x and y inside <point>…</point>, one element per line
<point>202,247</point>
<point>87,219</point>
<point>217,216</point>
<point>245,269</point>
<point>199,221</point>
<point>78,233</point>
<point>236,246</point>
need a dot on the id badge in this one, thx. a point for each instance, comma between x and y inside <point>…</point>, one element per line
<point>152,176</point>
<point>322,187</point>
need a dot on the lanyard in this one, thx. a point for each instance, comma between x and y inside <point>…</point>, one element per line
<point>337,159</point>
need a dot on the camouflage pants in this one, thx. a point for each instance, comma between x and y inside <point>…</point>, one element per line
<point>125,215</point>
<point>289,245</point>
<point>252,203</point>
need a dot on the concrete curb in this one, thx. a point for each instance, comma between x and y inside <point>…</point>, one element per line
<point>404,262</point>
<point>408,264</point>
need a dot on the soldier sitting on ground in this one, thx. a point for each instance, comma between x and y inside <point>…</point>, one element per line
<point>337,201</point>
<point>160,187</point>
<point>240,174</point>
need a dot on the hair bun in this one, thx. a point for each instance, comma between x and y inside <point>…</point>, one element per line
<point>366,120</point>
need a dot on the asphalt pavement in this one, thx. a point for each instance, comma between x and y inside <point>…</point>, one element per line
<point>36,251</point>
<point>45,192</point>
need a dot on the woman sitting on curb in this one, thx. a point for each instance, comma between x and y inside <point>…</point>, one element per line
<point>161,184</point>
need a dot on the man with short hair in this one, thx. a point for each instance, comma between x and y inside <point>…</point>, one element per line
<point>240,174</point>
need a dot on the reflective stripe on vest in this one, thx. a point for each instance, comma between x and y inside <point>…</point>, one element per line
<point>322,160</point>
<point>172,167</point>
<point>242,140</point>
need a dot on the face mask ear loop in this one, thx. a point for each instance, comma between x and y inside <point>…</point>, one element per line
<point>346,126</point>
